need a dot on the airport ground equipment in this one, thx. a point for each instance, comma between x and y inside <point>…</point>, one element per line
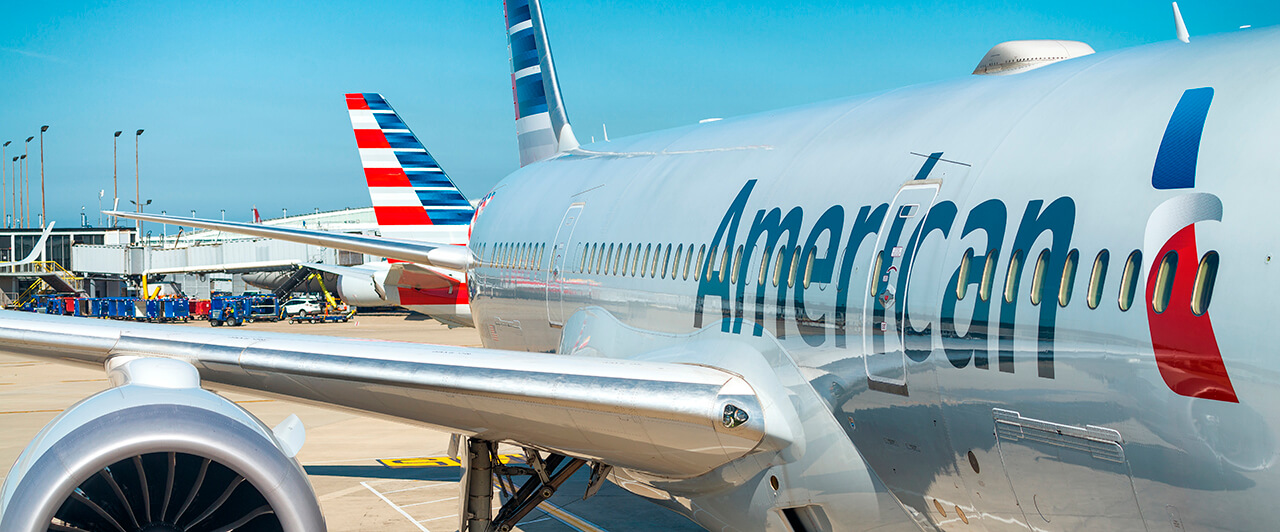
<point>263,307</point>
<point>228,310</point>
<point>166,309</point>
<point>199,309</point>
<point>107,464</point>
<point>290,284</point>
<point>342,316</point>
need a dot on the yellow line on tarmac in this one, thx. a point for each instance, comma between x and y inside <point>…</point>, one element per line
<point>569,519</point>
<point>30,411</point>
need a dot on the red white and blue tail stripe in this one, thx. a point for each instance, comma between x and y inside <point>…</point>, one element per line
<point>412,196</point>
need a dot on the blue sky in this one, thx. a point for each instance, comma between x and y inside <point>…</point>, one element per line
<point>242,102</point>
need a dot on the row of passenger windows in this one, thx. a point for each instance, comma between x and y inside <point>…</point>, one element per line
<point>515,255</point>
<point>1202,292</point>
<point>663,261</point>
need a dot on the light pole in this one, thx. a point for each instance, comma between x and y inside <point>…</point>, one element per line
<point>137,191</point>
<point>115,184</point>
<point>14,191</point>
<point>22,197</point>
<point>4,185</point>
<point>26,183</point>
<point>138,206</point>
<point>101,193</point>
<point>43,215</point>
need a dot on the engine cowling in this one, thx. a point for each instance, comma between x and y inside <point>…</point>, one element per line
<point>360,290</point>
<point>156,452</point>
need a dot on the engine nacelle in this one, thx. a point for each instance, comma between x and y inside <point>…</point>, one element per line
<point>360,290</point>
<point>158,453</point>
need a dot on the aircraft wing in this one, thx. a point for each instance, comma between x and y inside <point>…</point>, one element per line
<point>669,419</point>
<point>447,256</point>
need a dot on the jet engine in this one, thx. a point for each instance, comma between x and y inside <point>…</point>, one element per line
<point>359,290</point>
<point>158,453</point>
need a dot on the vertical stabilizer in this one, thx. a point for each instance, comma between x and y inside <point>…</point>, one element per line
<point>412,196</point>
<point>542,127</point>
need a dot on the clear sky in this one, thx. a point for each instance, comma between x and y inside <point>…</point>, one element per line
<point>242,102</point>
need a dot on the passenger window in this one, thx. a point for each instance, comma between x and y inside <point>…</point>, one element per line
<point>618,265</point>
<point>875,274</point>
<point>666,261</point>
<point>1129,280</point>
<point>1098,278</point>
<point>962,275</point>
<point>1164,282</point>
<point>795,266</point>
<point>688,259</point>
<point>657,258</point>
<point>1011,280</point>
<point>808,266</point>
<point>635,262</point>
<point>988,275</point>
<point>626,260</point>
<point>1068,278</point>
<point>1205,277</point>
<point>711,259</point>
<point>764,264</point>
<point>725,264</point>
<point>675,263</point>
<point>644,264</point>
<point>591,261</point>
<point>736,265</point>
<point>522,256</point>
<point>582,263</point>
<point>777,265</point>
<point>608,260</point>
<point>1037,277</point>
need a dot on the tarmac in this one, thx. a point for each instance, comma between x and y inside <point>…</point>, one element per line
<point>368,473</point>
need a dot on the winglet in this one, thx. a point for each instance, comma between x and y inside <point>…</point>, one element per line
<point>1180,25</point>
<point>36,252</point>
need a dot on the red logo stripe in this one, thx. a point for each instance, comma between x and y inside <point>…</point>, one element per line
<point>1185,346</point>
<point>401,216</point>
<point>371,138</point>
<point>356,101</point>
<point>386,177</point>
<point>439,296</point>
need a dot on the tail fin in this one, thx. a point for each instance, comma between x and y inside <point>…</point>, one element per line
<point>409,190</point>
<point>542,127</point>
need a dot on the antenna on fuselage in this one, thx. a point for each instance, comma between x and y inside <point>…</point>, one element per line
<point>1180,25</point>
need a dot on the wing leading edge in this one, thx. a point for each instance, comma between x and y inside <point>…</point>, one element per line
<point>667,419</point>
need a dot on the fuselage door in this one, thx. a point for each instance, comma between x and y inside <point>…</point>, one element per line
<point>555,284</point>
<point>887,284</point>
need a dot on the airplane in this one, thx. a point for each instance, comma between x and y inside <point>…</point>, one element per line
<point>989,303</point>
<point>414,200</point>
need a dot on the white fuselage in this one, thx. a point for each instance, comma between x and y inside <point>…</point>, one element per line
<point>1020,403</point>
